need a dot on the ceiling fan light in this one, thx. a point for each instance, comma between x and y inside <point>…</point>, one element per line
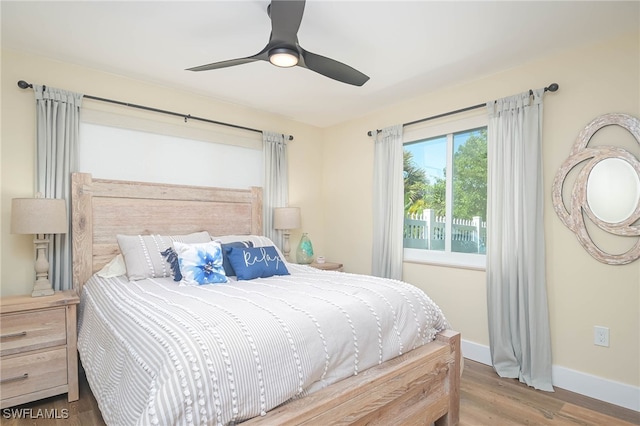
<point>283,57</point>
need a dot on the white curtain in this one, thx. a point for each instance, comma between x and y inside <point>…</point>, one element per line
<point>276,182</point>
<point>388,203</point>
<point>519,335</point>
<point>57,130</point>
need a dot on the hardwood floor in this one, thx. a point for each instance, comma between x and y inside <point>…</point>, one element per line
<point>486,400</point>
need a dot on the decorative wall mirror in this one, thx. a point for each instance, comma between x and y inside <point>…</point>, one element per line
<point>606,190</point>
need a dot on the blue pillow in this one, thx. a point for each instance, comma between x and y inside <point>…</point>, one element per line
<point>256,262</point>
<point>172,259</point>
<point>228,269</point>
<point>200,263</point>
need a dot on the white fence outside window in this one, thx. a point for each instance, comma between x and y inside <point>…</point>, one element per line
<point>427,231</point>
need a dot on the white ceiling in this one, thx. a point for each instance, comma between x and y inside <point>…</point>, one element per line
<point>406,48</point>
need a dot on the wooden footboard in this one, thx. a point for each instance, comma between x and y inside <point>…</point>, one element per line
<point>419,387</point>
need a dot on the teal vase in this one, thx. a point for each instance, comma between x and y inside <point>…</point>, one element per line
<point>304,253</point>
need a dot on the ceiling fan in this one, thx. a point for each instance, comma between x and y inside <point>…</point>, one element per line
<point>283,49</point>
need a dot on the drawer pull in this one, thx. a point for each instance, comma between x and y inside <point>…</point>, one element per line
<point>19,334</point>
<point>16,378</point>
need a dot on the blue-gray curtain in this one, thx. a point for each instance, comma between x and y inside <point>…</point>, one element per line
<point>519,335</point>
<point>57,134</point>
<point>276,182</point>
<point>388,203</point>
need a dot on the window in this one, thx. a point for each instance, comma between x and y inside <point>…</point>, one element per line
<point>445,194</point>
<point>166,152</point>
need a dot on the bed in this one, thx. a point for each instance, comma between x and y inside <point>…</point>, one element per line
<point>413,379</point>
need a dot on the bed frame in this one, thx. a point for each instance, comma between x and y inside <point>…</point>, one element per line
<point>419,387</point>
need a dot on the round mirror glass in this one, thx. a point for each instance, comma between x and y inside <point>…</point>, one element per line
<point>613,190</point>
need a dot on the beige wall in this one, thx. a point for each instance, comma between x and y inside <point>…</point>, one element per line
<point>331,179</point>
<point>582,292</point>
<point>18,135</point>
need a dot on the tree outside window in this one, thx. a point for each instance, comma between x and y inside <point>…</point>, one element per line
<point>437,206</point>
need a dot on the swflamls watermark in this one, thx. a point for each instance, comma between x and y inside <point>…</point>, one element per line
<point>35,413</point>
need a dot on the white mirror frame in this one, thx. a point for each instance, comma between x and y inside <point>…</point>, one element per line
<point>574,218</point>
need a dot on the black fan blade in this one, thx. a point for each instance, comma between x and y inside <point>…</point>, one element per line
<point>229,63</point>
<point>285,20</point>
<point>261,56</point>
<point>332,68</point>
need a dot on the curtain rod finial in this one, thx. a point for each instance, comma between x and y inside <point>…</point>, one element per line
<point>553,87</point>
<point>23,84</point>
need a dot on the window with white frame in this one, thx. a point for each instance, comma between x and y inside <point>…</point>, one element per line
<point>126,147</point>
<point>445,193</point>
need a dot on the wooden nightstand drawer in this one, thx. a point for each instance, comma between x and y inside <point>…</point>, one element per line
<point>36,371</point>
<point>26,331</point>
<point>38,348</point>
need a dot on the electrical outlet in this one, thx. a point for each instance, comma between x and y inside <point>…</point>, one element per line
<point>601,336</point>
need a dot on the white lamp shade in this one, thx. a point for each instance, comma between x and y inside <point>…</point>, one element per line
<point>286,218</point>
<point>38,216</point>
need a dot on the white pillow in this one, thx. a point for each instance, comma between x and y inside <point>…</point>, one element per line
<point>114,268</point>
<point>200,263</point>
<point>142,253</point>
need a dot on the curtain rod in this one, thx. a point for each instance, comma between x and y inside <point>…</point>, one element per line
<point>24,85</point>
<point>551,88</point>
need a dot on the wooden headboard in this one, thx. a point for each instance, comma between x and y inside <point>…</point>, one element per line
<point>101,209</point>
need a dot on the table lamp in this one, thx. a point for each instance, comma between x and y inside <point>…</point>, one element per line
<point>286,219</point>
<point>39,216</point>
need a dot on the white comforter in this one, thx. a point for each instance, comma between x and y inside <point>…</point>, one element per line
<point>159,354</point>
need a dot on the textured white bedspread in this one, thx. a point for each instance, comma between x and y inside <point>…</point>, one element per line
<point>159,354</point>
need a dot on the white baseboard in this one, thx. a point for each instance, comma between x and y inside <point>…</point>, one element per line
<point>476,352</point>
<point>617,393</point>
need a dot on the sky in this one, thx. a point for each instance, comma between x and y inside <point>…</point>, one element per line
<point>431,154</point>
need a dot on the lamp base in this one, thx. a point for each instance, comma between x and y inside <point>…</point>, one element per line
<point>42,288</point>
<point>286,249</point>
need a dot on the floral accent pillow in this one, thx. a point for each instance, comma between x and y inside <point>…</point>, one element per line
<point>256,262</point>
<point>200,263</point>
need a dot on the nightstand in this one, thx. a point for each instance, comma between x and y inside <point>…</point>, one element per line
<point>327,266</point>
<point>38,348</point>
